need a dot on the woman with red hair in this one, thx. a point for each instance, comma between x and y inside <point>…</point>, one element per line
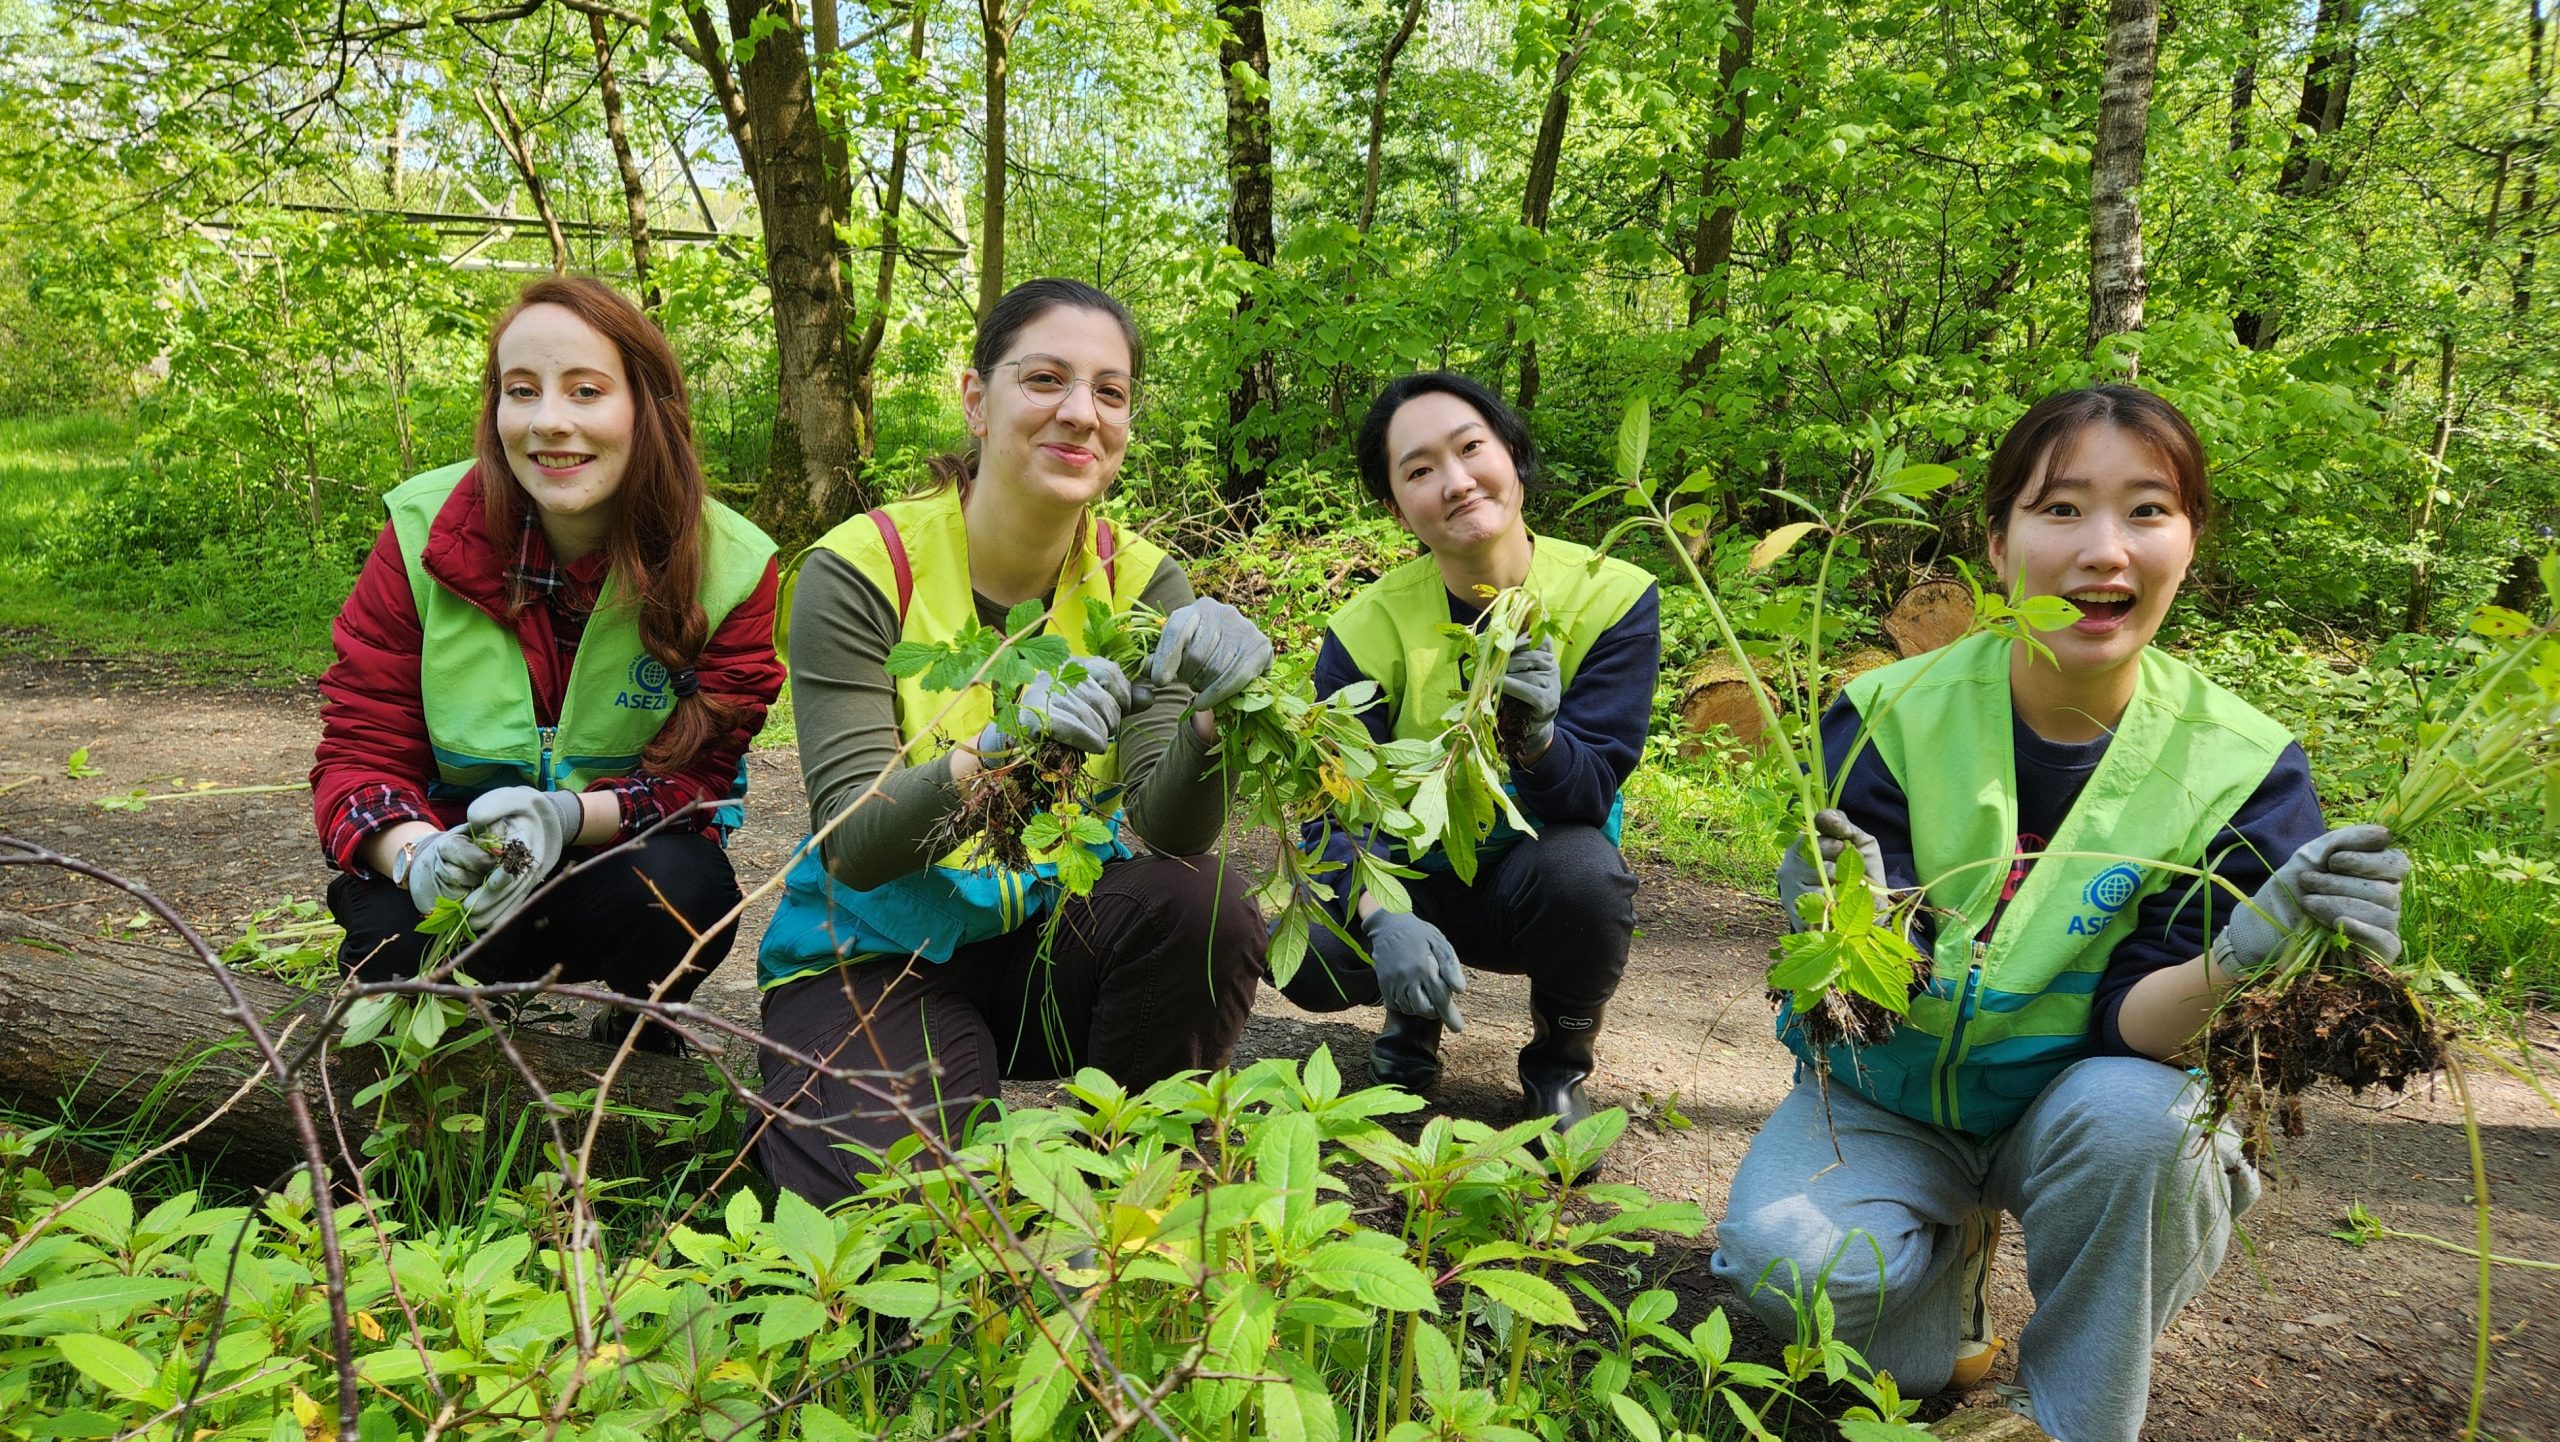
<point>558,650</point>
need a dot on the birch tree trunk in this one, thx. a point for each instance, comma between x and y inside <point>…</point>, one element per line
<point>2116,282</point>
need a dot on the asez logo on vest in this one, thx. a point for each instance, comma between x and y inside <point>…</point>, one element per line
<point>2107,893</point>
<point>648,690</point>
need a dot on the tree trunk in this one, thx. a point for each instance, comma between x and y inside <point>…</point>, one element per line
<point>509,129</point>
<point>2326,80</point>
<point>2244,89</point>
<point>103,1023</point>
<point>2422,518</point>
<point>999,43</point>
<point>1378,111</point>
<point>635,194</point>
<point>2530,156</point>
<point>2116,282</point>
<point>810,476</point>
<point>1711,246</point>
<point>1244,67</point>
<point>1545,153</point>
<point>866,350</point>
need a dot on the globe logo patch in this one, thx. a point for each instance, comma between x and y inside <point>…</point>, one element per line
<point>649,674</point>
<point>2112,888</point>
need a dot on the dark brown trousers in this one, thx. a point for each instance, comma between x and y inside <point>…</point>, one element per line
<point>1151,974</point>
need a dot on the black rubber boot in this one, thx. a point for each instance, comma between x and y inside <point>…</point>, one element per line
<point>1556,1062</point>
<point>1406,1052</point>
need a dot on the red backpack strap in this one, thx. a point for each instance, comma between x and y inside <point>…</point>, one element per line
<point>897,561</point>
<point>1106,547</point>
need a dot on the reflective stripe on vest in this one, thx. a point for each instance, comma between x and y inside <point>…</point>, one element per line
<point>960,898</point>
<point>1391,631</point>
<point>477,694</point>
<point>2000,1019</point>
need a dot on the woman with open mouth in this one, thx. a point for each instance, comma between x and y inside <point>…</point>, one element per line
<point>2039,1072</point>
<point>915,964</point>
<point>550,667</point>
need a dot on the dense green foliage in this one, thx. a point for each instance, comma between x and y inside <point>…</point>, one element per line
<point>1198,1242</point>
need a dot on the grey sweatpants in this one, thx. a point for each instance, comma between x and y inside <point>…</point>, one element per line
<point>2125,1199</point>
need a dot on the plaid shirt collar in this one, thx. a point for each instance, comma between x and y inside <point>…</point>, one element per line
<point>536,573</point>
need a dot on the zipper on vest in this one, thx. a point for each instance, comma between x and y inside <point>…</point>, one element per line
<point>549,734</point>
<point>1951,1051</point>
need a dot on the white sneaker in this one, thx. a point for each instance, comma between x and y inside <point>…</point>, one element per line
<point>1977,1346</point>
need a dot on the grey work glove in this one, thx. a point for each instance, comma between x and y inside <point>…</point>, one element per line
<point>1085,714</point>
<point>1533,679</point>
<point>1797,876</point>
<point>1211,647</point>
<point>1418,970</point>
<point>2346,880</point>
<point>544,821</point>
<point>447,864</point>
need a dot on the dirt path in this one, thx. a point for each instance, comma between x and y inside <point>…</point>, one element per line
<point>2302,1337</point>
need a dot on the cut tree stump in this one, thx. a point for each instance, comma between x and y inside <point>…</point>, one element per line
<point>1716,693</point>
<point>126,1031</point>
<point>1928,616</point>
<point>1986,1422</point>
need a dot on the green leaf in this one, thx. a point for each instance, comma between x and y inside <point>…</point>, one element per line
<point>2048,613</point>
<point>122,1371</point>
<point>805,1233</point>
<point>1807,961</point>
<point>1635,436</point>
<point>907,658</point>
<point>817,1424</point>
<point>1042,1387</point>
<point>1632,1416</point>
<point>97,1301</point>
<point>2499,622</point>
<point>1435,1363</point>
<point>1078,870</point>
<point>787,1319</point>
<point>1300,1409</point>
<point>1533,1297</point>
<point>744,1215</point>
<point>1777,543</point>
<point>1919,480</point>
<point>1025,616</point>
<point>1380,1277</point>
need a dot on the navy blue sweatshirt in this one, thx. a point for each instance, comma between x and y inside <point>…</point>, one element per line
<point>2282,814</point>
<point>1600,728</point>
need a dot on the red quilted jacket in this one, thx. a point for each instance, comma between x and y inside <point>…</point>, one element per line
<point>374,762</point>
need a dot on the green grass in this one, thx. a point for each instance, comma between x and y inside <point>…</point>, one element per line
<point>2489,919</point>
<point>1712,819</point>
<point>225,612</point>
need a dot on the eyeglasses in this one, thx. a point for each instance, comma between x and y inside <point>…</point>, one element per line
<point>1046,380</point>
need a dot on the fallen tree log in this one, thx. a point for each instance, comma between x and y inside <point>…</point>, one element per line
<point>1928,616</point>
<point>114,1032</point>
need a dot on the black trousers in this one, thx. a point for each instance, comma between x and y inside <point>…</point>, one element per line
<point>1558,908</point>
<point>1151,974</point>
<point>609,923</point>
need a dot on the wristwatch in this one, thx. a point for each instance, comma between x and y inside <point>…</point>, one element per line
<point>400,860</point>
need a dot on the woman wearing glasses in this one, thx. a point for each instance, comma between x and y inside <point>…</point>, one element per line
<point>922,964</point>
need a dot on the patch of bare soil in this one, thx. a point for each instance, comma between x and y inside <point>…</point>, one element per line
<point>2302,1336</point>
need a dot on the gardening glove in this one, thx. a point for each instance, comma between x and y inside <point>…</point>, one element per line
<point>2346,880</point>
<point>1212,648</point>
<point>1085,714</point>
<point>544,821</point>
<point>1838,833</point>
<point>1418,970</point>
<point>1532,679</point>
<point>448,863</point>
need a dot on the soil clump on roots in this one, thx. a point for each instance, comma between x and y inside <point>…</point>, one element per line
<point>997,803</point>
<point>1845,1018</point>
<point>2353,1022</point>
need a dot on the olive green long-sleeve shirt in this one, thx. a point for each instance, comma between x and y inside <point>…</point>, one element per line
<point>846,705</point>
